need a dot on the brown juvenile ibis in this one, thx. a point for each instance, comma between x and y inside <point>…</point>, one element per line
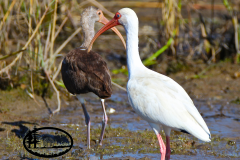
<point>84,72</point>
<point>158,99</point>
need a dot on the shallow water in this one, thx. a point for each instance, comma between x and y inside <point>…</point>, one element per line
<point>224,127</point>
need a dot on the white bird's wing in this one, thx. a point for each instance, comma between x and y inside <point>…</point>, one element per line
<point>162,100</point>
<point>184,97</point>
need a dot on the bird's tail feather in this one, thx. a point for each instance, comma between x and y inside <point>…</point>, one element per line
<point>197,131</point>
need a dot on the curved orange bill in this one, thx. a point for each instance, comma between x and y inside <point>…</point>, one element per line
<point>107,25</point>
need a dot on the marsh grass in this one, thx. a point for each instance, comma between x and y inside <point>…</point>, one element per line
<point>32,34</point>
<point>28,45</point>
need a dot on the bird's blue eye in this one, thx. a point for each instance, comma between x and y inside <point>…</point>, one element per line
<point>118,15</point>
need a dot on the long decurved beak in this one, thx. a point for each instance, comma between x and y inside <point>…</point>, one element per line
<point>107,25</point>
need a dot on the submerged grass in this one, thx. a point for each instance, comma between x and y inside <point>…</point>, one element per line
<point>236,101</point>
<point>119,140</point>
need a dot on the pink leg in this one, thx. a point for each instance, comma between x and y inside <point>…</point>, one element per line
<point>168,148</point>
<point>162,146</point>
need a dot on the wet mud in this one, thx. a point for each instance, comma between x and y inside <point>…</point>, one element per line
<point>215,93</point>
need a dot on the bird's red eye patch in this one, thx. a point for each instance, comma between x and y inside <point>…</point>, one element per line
<point>117,15</point>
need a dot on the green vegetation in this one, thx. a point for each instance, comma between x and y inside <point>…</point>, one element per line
<point>236,101</point>
<point>119,140</point>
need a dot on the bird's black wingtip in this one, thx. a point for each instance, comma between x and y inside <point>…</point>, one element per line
<point>184,131</point>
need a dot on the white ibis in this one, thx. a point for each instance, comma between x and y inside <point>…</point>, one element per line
<point>84,72</point>
<point>156,98</point>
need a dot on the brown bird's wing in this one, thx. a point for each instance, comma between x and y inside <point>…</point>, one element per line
<point>84,72</point>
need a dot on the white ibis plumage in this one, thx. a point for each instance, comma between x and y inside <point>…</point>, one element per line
<point>156,98</point>
<point>84,72</point>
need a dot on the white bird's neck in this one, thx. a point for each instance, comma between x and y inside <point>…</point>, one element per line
<point>134,62</point>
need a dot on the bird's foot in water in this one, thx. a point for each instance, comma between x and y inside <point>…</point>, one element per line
<point>54,112</point>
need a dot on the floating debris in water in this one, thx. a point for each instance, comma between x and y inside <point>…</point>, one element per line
<point>110,110</point>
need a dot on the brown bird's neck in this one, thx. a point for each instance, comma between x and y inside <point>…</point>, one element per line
<point>88,31</point>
